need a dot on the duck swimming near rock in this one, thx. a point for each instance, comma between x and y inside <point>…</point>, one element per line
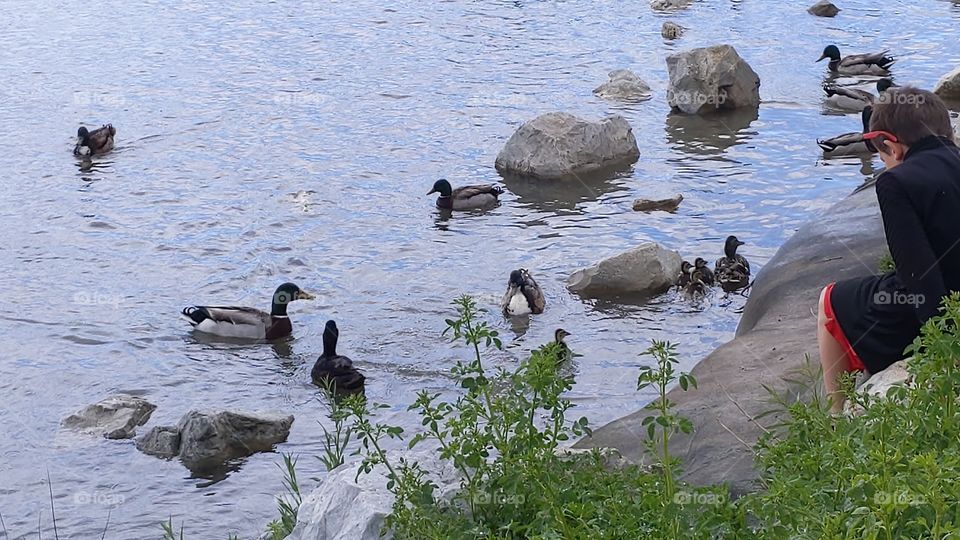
<point>98,141</point>
<point>335,371</point>
<point>684,278</point>
<point>845,98</point>
<point>696,287</point>
<point>247,322</point>
<point>523,296</point>
<point>857,64</point>
<point>465,197</point>
<point>732,270</point>
<point>565,354</point>
<point>706,275</point>
<point>849,144</point>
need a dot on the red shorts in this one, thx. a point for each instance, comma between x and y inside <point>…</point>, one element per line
<point>855,364</point>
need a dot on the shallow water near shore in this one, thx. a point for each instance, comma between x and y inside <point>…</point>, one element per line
<point>277,141</point>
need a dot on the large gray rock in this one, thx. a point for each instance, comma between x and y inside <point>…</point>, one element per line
<point>208,438</point>
<point>776,331</point>
<point>342,508</point>
<point>559,145</point>
<point>823,8</point>
<point>711,79</point>
<point>115,417</point>
<point>623,85</point>
<point>949,86</point>
<point>646,270</point>
<point>160,441</point>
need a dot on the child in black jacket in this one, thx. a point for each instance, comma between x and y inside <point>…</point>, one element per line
<point>866,323</point>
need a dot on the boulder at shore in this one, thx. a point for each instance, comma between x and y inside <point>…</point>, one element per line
<point>645,270</point>
<point>558,145</point>
<point>115,417</point>
<point>711,79</point>
<point>777,329</point>
<point>949,86</point>
<point>205,439</point>
<point>342,508</point>
<point>623,85</point>
<point>823,8</point>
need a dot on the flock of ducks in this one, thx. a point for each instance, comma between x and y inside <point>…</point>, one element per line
<point>523,296</point>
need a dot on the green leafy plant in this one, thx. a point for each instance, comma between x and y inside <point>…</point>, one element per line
<point>886,263</point>
<point>287,506</point>
<point>337,439</point>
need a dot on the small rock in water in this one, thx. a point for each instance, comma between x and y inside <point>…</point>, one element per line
<point>161,441</point>
<point>624,85</point>
<point>671,30</point>
<point>115,417</point>
<point>711,79</point>
<point>210,438</point>
<point>669,4</point>
<point>949,86</point>
<point>823,8</point>
<point>647,269</point>
<point>651,205</point>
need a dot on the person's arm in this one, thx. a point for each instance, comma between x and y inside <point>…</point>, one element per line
<point>916,262</point>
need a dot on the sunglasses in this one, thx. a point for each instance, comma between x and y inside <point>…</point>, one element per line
<point>875,138</point>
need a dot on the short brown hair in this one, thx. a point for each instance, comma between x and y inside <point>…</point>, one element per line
<point>911,114</point>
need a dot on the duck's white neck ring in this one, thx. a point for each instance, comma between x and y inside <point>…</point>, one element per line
<point>280,316</point>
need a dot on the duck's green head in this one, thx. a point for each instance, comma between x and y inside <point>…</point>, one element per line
<point>731,245</point>
<point>289,292</point>
<point>516,278</point>
<point>82,135</point>
<point>884,84</point>
<point>831,52</point>
<point>442,187</point>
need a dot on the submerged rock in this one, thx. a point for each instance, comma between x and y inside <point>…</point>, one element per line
<point>661,5</point>
<point>559,145</point>
<point>209,438</point>
<point>115,417</point>
<point>345,508</point>
<point>666,205</point>
<point>646,270</point>
<point>711,79</point>
<point>671,30</point>
<point>624,85</point>
<point>776,332</point>
<point>160,441</point>
<point>823,8</point>
<point>949,86</point>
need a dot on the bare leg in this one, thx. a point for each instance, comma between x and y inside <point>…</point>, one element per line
<point>833,359</point>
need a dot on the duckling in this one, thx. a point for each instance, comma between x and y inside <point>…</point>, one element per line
<point>565,353</point>
<point>465,197</point>
<point>696,287</point>
<point>335,371</point>
<point>523,295</point>
<point>849,144</point>
<point>684,278</point>
<point>846,98</point>
<point>98,141</point>
<point>706,275</point>
<point>858,64</point>
<point>732,270</point>
<point>247,322</point>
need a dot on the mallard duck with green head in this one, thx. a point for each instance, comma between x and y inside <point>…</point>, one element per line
<point>857,64</point>
<point>523,296</point>
<point>845,98</point>
<point>465,197</point>
<point>248,322</point>
<point>849,144</point>
<point>98,141</point>
<point>333,371</point>
<point>732,270</point>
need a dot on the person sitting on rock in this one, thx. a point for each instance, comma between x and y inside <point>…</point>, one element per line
<point>865,323</point>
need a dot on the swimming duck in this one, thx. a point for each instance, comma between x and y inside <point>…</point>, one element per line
<point>846,98</point>
<point>696,287</point>
<point>98,141</point>
<point>684,278</point>
<point>849,144</point>
<point>732,270</point>
<point>335,371</point>
<point>247,322</point>
<point>523,295</point>
<point>857,64</point>
<point>465,197</point>
<point>700,264</point>
<point>565,354</point>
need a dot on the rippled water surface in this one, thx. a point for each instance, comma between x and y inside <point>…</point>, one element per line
<point>277,141</point>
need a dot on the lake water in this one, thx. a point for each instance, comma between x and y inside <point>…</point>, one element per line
<point>261,142</point>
